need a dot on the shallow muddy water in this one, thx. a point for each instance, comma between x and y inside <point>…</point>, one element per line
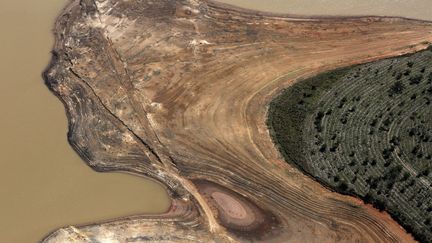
<point>43,183</point>
<point>420,9</point>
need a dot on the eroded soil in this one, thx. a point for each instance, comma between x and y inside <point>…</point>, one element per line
<point>178,91</point>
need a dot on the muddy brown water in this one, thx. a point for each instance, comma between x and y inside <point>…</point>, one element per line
<point>418,9</point>
<point>43,183</point>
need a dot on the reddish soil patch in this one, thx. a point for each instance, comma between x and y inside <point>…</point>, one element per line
<point>234,211</point>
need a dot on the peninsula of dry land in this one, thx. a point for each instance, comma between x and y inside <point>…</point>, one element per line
<point>178,91</point>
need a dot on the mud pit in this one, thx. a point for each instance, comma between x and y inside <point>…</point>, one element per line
<point>233,208</point>
<point>235,212</point>
<point>178,91</point>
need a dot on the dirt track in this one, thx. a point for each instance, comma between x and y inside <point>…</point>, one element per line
<point>178,90</point>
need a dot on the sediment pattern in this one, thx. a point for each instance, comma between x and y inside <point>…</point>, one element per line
<point>178,91</point>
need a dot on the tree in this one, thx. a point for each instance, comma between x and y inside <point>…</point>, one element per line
<point>397,88</point>
<point>415,79</point>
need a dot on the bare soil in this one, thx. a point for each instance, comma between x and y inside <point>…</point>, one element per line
<point>178,91</point>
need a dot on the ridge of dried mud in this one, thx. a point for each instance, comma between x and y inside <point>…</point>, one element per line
<point>178,91</point>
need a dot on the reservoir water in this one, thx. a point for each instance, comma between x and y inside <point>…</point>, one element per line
<point>43,183</point>
<point>419,9</point>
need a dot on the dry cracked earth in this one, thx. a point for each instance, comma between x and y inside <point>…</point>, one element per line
<point>178,90</point>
